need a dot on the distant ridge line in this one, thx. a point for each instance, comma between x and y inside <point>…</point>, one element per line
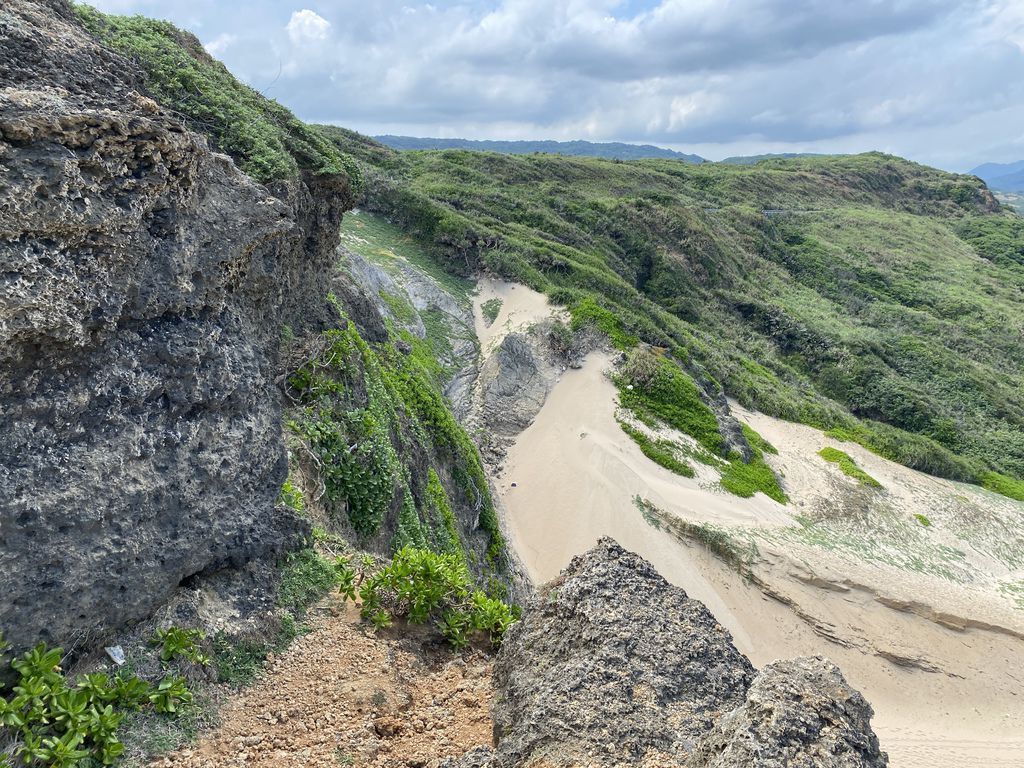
<point>613,150</point>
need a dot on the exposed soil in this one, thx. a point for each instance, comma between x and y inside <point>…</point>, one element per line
<point>344,695</point>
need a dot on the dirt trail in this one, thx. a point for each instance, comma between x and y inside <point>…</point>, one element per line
<point>342,695</point>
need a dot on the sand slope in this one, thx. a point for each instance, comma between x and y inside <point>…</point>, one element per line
<point>943,695</point>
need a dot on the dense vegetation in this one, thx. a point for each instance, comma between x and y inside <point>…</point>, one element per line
<point>383,436</point>
<point>420,585</point>
<point>48,720</point>
<point>863,294</point>
<point>266,140</point>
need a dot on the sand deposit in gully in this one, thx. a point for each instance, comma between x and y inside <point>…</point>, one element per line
<point>572,475</point>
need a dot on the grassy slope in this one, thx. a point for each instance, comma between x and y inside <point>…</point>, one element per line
<point>266,140</point>
<point>886,300</point>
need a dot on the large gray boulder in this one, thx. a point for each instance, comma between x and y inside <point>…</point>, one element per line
<point>611,666</point>
<point>144,281</point>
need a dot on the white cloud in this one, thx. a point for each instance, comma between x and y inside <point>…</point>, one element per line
<point>219,45</point>
<point>307,26</point>
<point>940,81</point>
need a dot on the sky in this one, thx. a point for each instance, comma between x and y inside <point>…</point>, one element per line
<point>937,81</point>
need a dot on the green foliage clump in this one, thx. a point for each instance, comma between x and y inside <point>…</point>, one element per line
<point>1007,486</point>
<point>848,466</point>
<point>354,446</point>
<point>490,309</point>
<point>177,642</point>
<point>923,520</point>
<point>747,478</point>
<point>422,586</point>
<point>267,140</point>
<point>661,452</point>
<point>411,531</point>
<point>655,386</point>
<point>48,721</point>
<point>588,313</point>
<point>305,578</point>
<point>758,442</point>
<point>439,510</point>
<point>292,496</point>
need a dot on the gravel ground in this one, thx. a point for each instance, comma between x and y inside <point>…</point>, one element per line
<point>342,695</point>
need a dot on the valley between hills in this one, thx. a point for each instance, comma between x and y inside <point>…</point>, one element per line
<point>320,452</point>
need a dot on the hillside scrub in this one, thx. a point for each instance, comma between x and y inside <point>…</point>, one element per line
<point>383,438</point>
<point>266,140</point>
<point>420,586</point>
<point>864,293</point>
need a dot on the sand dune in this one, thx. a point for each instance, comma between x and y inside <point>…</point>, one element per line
<point>942,696</point>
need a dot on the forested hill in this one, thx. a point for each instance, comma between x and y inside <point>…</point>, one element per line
<point>865,294</point>
<point>612,150</point>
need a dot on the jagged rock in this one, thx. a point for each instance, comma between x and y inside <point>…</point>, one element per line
<point>144,285</point>
<point>515,383</point>
<point>611,666</point>
<point>798,714</point>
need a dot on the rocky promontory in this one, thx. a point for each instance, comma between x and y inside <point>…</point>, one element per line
<point>611,665</point>
<point>144,288</point>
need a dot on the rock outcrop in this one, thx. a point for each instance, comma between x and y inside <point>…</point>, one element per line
<point>144,281</point>
<point>611,665</point>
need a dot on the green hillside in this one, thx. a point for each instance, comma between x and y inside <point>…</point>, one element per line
<point>864,294</point>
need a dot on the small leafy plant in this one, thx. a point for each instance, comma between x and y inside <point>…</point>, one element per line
<point>490,309</point>
<point>177,642</point>
<point>47,721</point>
<point>420,585</point>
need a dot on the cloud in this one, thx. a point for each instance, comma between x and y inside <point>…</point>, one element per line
<point>940,81</point>
<point>219,45</point>
<point>307,26</point>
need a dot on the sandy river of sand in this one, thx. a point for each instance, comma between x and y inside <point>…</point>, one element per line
<point>571,477</point>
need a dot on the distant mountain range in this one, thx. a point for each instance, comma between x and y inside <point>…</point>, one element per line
<point>754,159</point>
<point>611,150</point>
<point>1004,177</point>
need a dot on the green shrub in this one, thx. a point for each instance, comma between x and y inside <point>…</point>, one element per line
<point>661,452</point>
<point>291,496</point>
<point>490,309</point>
<point>848,466</point>
<point>306,578</point>
<point>589,313</point>
<point>421,586</point>
<point>923,520</point>
<point>1007,486</point>
<point>47,721</point>
<point>745,479</point>
<point>178,642</point>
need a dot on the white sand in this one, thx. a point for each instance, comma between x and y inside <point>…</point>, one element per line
<point>520,308</point>
<point>576,473</point>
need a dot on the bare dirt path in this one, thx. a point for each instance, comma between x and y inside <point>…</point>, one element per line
<point>342,695</point>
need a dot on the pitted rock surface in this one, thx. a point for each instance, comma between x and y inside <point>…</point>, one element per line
<point>798,714</point>
<point>144,281</point>
<point>611,666</point>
